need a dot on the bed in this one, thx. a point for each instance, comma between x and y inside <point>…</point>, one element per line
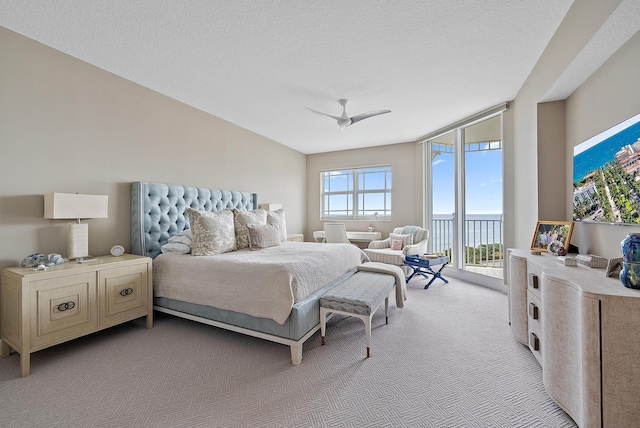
<point>292,275</point>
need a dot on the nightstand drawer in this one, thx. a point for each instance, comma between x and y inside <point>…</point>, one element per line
<point>124,292</point>
<point>65,308</point>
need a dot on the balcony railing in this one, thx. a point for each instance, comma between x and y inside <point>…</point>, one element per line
<point>483,241</point>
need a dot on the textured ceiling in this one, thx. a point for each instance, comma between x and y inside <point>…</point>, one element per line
<point>259,63</point>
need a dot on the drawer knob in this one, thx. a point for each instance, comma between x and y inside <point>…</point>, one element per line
<point>533,280</point>
<point>533,311</point>
<point>65,306</point>
<point>126,291</point>
<point>534,342</point>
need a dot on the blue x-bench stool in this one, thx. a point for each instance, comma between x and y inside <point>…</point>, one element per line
<point>423,266</point>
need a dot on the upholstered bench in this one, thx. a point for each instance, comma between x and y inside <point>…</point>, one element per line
<point>359,296</point>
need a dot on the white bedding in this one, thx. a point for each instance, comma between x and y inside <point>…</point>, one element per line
<point>264,283</point>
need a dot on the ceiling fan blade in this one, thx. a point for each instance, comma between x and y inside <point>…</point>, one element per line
<point>362,116</point>
<point>324,114</point>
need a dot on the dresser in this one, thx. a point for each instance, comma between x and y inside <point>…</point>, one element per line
<point>584,330</point>
<point>39,309</point>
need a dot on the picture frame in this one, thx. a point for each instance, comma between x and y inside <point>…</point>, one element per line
<point>549,231</point>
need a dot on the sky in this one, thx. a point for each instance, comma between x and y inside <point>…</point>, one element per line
<point>483,176</point>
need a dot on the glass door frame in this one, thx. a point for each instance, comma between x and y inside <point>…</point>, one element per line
<point>458,262</point>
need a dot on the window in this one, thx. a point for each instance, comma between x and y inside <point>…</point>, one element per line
<point>357,194</point>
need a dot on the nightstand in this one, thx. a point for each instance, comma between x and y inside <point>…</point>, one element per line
<point>39,309</point>
<point>295,237</point>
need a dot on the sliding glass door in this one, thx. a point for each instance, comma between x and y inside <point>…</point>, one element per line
<point>464,178</point>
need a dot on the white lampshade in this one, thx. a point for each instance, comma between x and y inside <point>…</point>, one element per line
<point>271,206</point>
<point>76,206</point>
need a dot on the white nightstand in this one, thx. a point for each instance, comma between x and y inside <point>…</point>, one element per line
<point>295,237</point>
<point>39,309</point>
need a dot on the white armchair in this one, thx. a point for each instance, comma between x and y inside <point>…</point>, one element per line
<point>415,243</point>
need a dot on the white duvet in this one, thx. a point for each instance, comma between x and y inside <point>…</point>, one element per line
<point>263,283</point>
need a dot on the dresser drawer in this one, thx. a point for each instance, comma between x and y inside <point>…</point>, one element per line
<point>534,279</point>
<point>534,324</point>
<point>124,294</point>
<point>65,307</point>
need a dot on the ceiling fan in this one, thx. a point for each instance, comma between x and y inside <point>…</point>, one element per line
<point>345,120</point>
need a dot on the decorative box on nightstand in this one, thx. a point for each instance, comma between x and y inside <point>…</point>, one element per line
<point>295,237</point>
<point>39,309</point>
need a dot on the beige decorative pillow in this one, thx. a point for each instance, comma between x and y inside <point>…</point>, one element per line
<point>213,232</point>
<point>241,219</point>
<point>406,239</point>
<point>263,235</point>
<point>277,218</point>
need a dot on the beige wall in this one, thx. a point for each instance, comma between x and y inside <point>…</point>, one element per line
<point>610,96</point>
<point>551,162</point>
<point>582,21</point>
<point>407,187</point>
<point>67,126</point>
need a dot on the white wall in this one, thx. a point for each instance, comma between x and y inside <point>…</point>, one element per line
<point>67,126</point>
<point>582,21</point>
<point>610,96</point>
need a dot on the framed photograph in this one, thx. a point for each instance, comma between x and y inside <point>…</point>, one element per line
<point>551,231</point>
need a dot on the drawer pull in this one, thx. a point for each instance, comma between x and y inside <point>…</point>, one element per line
<point>533,280</point>
<point>534,342</point>
<point>66,306</point>
<point>533,311</point>
<point>126,291</point>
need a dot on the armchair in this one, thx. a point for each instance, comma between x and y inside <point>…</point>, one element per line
<point>415,243</point>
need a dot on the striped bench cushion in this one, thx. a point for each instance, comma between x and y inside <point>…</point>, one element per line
<point>360,293</point>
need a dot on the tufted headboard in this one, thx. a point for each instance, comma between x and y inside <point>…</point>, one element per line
<point>159,211</point>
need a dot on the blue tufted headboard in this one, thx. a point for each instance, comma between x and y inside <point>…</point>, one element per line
<point>159,211</point>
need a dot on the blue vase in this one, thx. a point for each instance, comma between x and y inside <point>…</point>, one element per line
<point>630,274</point>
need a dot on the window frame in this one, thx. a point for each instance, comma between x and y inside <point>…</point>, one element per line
<point>356,206</point>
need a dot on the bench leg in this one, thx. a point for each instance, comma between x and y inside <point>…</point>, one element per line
<point>386,310</point>
<point>323,323</point>
<point>367,332</point>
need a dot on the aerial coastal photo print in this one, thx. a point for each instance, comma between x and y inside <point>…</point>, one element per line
<point>606,175</point>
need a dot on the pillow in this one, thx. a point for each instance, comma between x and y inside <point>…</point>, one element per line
<point>241,219</point>
<point>397,244</point>
<point>178,244</point>
<point>213,232</point>
<point>406,239</point>
<point>277,218</point>
<point>263,235</point>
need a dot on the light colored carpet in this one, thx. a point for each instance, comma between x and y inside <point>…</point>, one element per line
<point>447,359</point>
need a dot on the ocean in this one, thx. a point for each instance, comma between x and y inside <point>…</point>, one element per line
<point>601,153</point>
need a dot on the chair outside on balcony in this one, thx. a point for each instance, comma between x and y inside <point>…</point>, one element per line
<point>335,233</point>
<point>403,241</point>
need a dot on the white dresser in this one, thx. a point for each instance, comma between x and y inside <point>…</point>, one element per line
<point>39,309</point>
<point>584,330</point>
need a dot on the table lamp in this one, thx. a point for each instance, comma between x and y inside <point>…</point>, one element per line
<point>76,206</point>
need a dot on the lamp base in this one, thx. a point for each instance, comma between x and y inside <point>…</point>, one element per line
<point>77,240</point>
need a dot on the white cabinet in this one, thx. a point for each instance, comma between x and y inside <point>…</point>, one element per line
<point>39,309</point>
<point>583,329</point>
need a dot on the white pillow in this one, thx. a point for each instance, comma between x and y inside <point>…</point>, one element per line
<point>179,244</point>
<point>241,219</point>
<point>213,232</point>
<point>263,236</point>
<point>277,218</point>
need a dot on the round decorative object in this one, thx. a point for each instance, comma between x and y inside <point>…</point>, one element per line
<point>117,250</point>
<point>561,251</point>
<point>554,246</point>
<point>630,274</point>
<point>630,247</point>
